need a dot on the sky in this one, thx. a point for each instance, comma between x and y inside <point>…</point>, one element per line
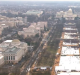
<point>39,0</point>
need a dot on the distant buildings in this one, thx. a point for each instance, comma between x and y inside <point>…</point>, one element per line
<point>17,20</point>
<point>41,25</point>
<point>33,29</point>
<point>13,50</point>
<point>68,15</point>
<point>6,22</point>
<point>34,12</point>
<point>25,20</point>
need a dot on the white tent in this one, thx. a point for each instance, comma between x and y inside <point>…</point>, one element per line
<point>67,36</point>
<point>60,68</point>
<point>72,73</point>
<point>70,33</point>
<point>65,43</point>
<point>69,50</point>
<point>69,60</point>
<point>70,29</point>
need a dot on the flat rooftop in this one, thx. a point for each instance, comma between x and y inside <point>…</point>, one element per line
<point>67,61</point>
<point>8,41</point>
<point>69,43</point>
<point>12,50</point>
<point>67,36</point>
<point>33,12</point>
<point>66,50</point>
<point>70,33</point>
<point>69,28</point>
<point>69,23</point>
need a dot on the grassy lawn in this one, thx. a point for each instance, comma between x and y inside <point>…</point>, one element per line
<point>3,73</point>
<point>39,73</point>
<point>48,57</point>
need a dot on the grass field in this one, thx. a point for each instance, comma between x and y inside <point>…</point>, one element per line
<point>40,73</point>
<point>48,57</point>
<point>3,73</point>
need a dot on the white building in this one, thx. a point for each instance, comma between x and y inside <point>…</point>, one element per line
<point>30,31</point>
<point>34,12</point>
<point>33,29</point>
<point>67,50</point>
<point>13,55</point>
<point>1,59</point>
<point>13,50</point>
<point>68,64</point>
<point>68,15</point>
<point>41,25</point>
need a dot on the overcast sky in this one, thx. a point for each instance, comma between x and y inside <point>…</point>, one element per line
<point>39,0</point>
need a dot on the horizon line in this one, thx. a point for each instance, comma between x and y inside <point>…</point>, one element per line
<point>44,1</point>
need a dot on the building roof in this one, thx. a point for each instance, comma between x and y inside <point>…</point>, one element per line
<point>3,24</point>
<point>43,68</point>
<point>67,36</point>
<point>8,41</point>
<point>12,50</point>
<point>69,43</point>
<point>70,28</point>
<point>33,12</point>
<point>71,73</point>
<point>66,50</point>
<point>69,61</point>
<point>16,40</point>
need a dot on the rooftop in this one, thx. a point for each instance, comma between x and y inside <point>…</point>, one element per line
<point>71,73</point>
<point>15,40</point>
<point>67,36</point>
<point>12,50</point>
<point>8,41</point>
<point>69,61</point>
<point>33,12</point>
<point>66,50</point>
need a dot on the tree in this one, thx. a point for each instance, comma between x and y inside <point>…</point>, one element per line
<point>44,28</point>
<point>37,35</point>
<point>76,18</point>
<point>28,41</point>
<point>31,18</point>
<point>63,20</point>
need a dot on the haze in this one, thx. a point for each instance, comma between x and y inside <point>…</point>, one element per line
<point>39,0</point>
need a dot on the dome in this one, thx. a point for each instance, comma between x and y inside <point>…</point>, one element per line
<point>16,41</point>
<point>70,10</point>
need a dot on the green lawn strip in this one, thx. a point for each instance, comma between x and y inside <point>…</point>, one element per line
<point>41,73</point>
<point>3,73</point>
<point>48,57</point>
